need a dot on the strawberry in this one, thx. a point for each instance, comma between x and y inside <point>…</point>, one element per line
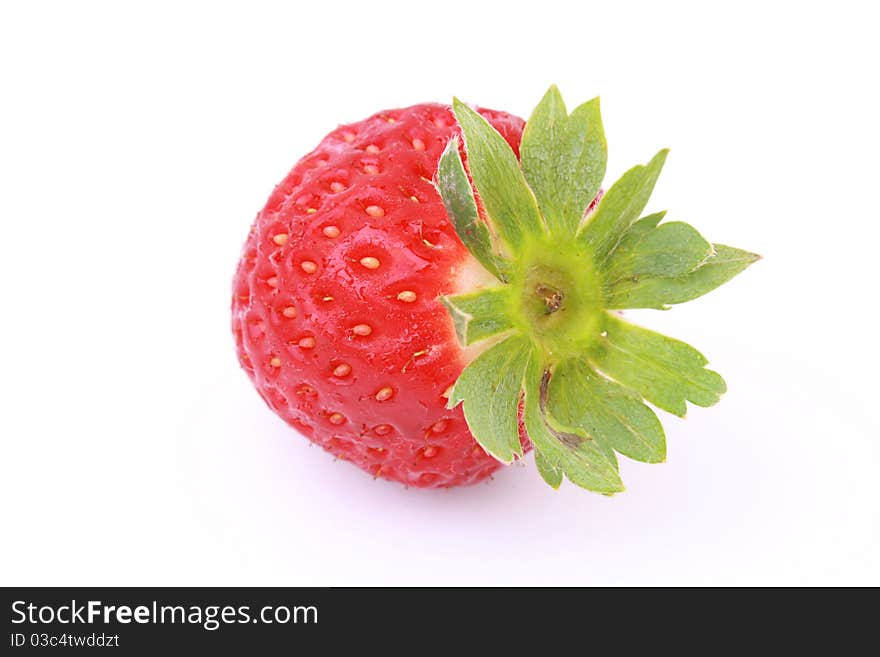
<point>336,309</point>
<point>421,302</point>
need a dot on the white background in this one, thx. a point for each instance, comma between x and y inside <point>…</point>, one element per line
<point>136,145</point>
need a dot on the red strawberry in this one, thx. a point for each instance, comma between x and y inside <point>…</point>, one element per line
<point>336,309</point>
<point>338,304</point>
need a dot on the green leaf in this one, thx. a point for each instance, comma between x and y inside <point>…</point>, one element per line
<point>671,249</point>
<point>563,158</point>
<point>509,203</point>
<point>660,292</point>
<point>638,230</point>
<point>620,208</point>
<point>481,314</point>
<point>563,449</point>
<point>666,372</point>
<point>458,197</point>
<point>606,411</point>
<point>490,389</point>
<point>549,472</point>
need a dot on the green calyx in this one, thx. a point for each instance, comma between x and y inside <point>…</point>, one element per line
<point>578,374</point>
<point>558,298</point>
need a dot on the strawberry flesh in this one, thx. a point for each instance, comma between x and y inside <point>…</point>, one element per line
<point>335,307</point>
